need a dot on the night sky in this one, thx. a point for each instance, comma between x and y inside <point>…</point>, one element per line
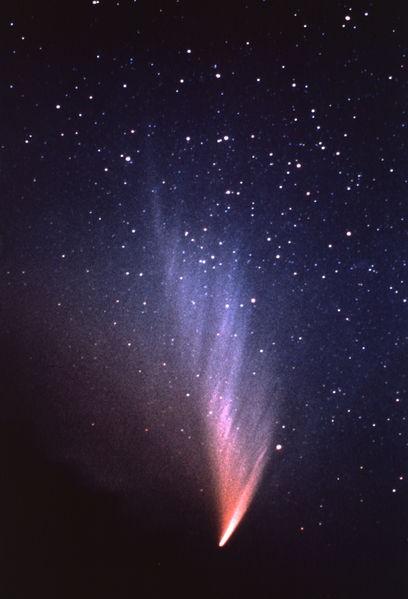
<point>204,299</point>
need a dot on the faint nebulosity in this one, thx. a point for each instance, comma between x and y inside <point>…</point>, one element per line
<point>203,243</point>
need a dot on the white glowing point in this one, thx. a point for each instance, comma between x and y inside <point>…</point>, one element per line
<point>278,447</point>
<point>230,529</point>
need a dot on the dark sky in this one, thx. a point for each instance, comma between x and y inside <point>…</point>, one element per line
<point>197,196</point>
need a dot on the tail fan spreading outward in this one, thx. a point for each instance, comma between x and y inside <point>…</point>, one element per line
<point>214,315</point>
<point>236,496</point>
<point>237,430</point>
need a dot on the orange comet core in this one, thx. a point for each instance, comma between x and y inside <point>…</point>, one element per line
<point>237,485</point>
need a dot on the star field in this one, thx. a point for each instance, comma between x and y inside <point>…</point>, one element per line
<point>204,258</point>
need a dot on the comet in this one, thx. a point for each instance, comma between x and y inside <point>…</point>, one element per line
<point>239,441</point>
<point>214,310</point>
<point>238,430</point>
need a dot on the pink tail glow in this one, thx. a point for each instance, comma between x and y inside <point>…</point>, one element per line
<point>235,499</point>
<point>238,452</point>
